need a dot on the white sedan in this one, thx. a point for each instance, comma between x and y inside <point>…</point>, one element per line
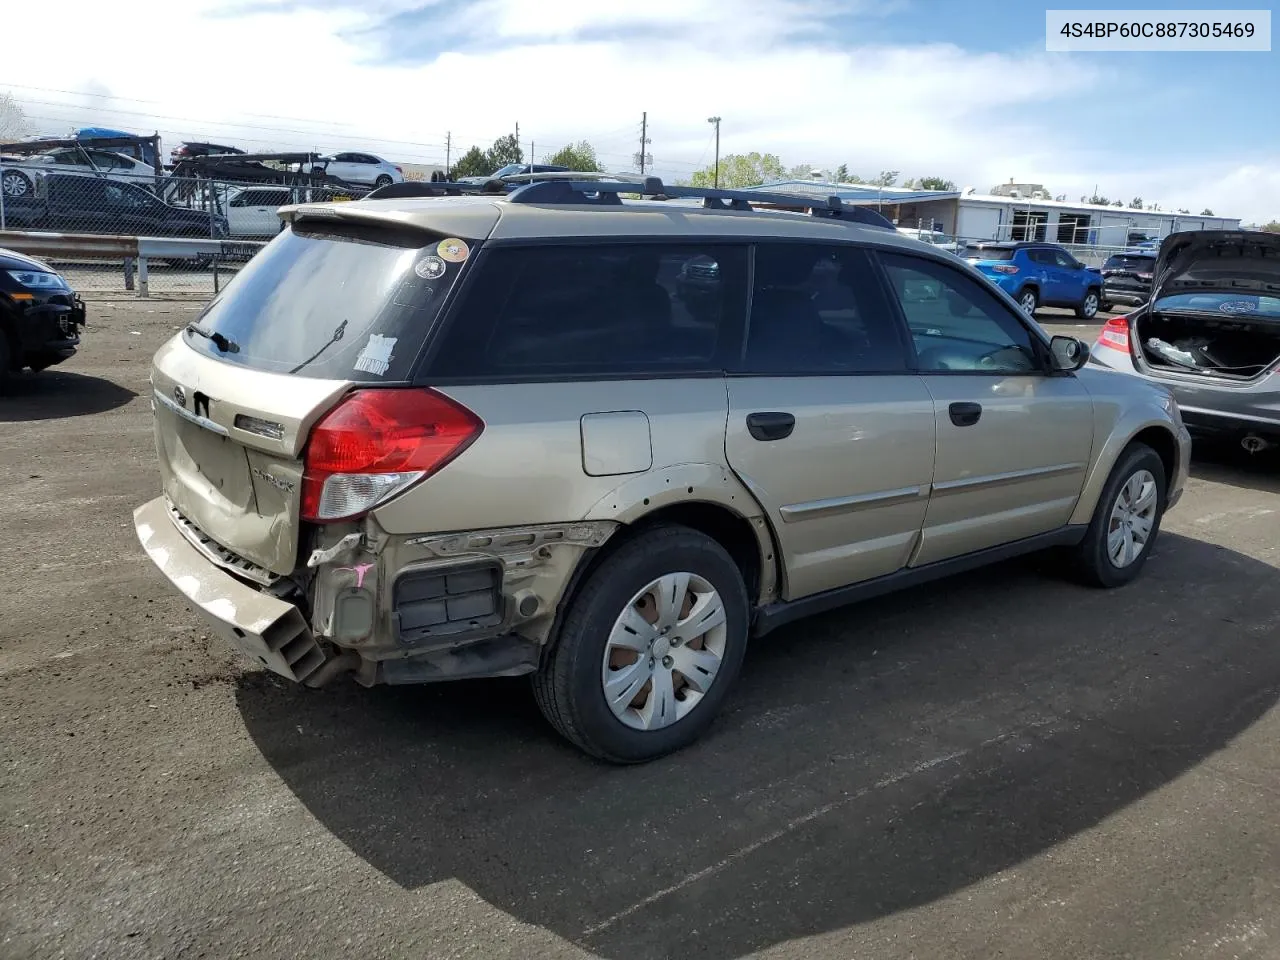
<point>362,168</point>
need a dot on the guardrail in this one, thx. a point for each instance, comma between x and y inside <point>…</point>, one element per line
<point>134,253</point>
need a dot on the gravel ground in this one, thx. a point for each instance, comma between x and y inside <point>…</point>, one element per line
<point>1001,765</point>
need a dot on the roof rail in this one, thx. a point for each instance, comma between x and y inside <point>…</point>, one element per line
<point>423,188</point>
<point>609,193</point>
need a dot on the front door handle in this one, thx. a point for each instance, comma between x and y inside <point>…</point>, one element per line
<point>771,425</point>
<point>965,414</point>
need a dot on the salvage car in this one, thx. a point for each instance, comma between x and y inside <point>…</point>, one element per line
<point>1210,333</point>
<point>602,442</point>
<point>40,315</point>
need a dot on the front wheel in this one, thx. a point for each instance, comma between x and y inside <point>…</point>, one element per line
<point>15,184</point>
<point>1126,520</point>
<point>1028,301</point>
<point>1088,308</point>
<point>649,648</point>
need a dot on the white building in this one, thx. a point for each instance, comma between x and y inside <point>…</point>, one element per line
<point>975,216</point>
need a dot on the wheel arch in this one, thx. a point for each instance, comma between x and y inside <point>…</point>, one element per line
<point>1158,434</point>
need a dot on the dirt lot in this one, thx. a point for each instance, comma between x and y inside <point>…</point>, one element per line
<point>1003,765</point>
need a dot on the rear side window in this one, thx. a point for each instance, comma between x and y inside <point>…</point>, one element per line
<point>338,301</point>
<point>598,311</point>
<point>820,309</point>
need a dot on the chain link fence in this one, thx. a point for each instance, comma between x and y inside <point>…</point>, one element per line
<point>239,216</point>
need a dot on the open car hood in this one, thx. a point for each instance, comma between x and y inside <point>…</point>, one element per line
<point>1221,261</point>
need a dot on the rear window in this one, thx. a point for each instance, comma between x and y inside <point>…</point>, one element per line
<point>334,301</point>
<point>988,253</point>
<point>605,310</point>
<point>1129,261</point>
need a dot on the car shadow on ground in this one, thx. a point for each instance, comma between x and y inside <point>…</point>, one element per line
<point>870,761</point>
<point>1222,461</point>
<point>55,394</point>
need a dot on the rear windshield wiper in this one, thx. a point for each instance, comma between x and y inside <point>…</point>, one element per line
<point>225,344</point>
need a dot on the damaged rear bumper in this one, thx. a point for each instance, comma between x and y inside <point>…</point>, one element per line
<point>268,630</point>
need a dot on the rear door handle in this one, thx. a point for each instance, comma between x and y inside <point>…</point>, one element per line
<point>770,425</point>
<point>965,414</point>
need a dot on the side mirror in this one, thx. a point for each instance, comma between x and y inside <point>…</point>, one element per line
<point>1068,353</point>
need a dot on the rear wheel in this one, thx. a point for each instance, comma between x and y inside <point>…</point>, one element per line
<point>1088,308</point>
<point>1028,301</point>
<point>1126,520</point>
<point>382,181</point>
<point>649,647</point>
<point>14,184</point>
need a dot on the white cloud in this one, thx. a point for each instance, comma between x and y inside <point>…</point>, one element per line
<point>277,74</point>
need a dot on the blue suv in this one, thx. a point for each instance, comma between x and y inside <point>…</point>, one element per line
<point>1039,275</point>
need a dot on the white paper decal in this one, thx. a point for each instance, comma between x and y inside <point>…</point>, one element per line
<point>376,355</point>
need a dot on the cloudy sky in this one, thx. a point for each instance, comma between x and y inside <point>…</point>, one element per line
<point>963,90</point>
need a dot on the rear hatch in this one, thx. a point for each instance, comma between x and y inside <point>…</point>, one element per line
<point>1129,272</point>
<point>1214,312</point>
<point>991,260</point>
<point>330,304</point>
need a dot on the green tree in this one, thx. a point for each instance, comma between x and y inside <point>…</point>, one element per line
<point>1272,227</point>
<point>842,173</point>
<point>741,170</point>
<point>935,183</point>
<point>887,178</point>
<point>575,156</point>
<point>1135,203</point>
<point>1206,212</point>
<point>910,184</point>
<point>474,163</point>
<point>504,150</point>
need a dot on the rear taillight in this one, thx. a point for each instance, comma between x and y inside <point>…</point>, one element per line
<point>376,444</point>
<point>398,170</point>
<point>1115,334</point>
<point>1005,268</point>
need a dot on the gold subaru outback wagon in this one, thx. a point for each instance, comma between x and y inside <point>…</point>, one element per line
<point>603,442</point>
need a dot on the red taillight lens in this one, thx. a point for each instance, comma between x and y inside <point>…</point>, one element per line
<point>1115,334</point>
<point>377,443</point>
<point>1005,268</point>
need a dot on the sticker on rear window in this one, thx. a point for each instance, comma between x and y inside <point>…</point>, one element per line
<point>430,268</point>
<point>376,355</point>
<point>453,250</point>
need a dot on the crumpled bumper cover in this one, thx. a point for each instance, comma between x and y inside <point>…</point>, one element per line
<point>268,630</point>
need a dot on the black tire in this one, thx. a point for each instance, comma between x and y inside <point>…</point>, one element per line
<point>6,360</point>
<point>1028,295</point>
<point>1092,298</point>
<point>568,686</point>
<point>1092,559</point>
<point>383,181</point>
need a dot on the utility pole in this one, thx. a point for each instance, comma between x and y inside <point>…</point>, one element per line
<point>644,140</point>
<point>448,151</point>
<point>716,121</point>
<point>517,136</point>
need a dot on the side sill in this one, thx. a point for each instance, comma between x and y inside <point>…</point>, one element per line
<point>775,615</point>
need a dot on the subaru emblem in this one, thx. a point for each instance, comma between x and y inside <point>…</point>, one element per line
<point>180,395</point>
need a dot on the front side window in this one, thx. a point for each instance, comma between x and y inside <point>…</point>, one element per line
<point>597,311</point>
<point>820,309</point>
<point>957,325</point>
